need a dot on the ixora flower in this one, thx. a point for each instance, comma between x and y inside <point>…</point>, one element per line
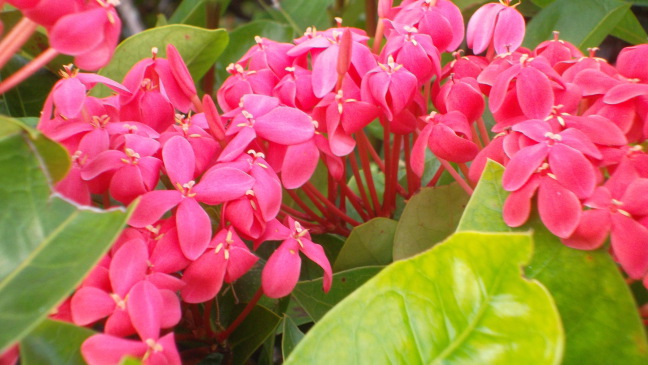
<point>281,272</point>
<point>495,25</point>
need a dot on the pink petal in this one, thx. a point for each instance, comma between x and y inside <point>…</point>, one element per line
<point>180,71</point>
<point>285,125</point>
<point>109,350</point>
<point>90,304</point>
<point>77,33</point>
<point>104,162</point>
<point>299,164</point>
<point>194,228</point>
<point>445,144</point>
<point>417,157</point>
<point>480,27</point>
<point>534,92</point>
<point>167,257</point>
<point>179,160</point>
<point>560,209</point>
<point>144,306</point>
<point>69,96</point>
<point>517,206</point>
<point>509,30</point>
<point>171,313</point>
<point>281,272</point>
<point>630,245</point>
<point>316,253</point>
<point>624,92</point>
<point>572,170</point>
<point>204,277</point>
<point>128,266</point>
<point>221,184</point>
<point>591,232</point>
<point>523,165</point>
<point>324,71</point>
<point>153,205</point>
<point>127,184</point>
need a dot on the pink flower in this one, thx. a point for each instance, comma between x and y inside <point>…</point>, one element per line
<point>499,25</point>
<point>281,272</point>
<point>440,19</point>
<point>390,86</point>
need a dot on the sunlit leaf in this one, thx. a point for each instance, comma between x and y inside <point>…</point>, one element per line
<point>464,301</point>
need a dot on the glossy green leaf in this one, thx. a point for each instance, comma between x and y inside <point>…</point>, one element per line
<point>583,23</point>
<point>368,244</point>
<point>47,244</point>
<point>464,301</point>
<point>301,14</point>
<point>630,30</point>
<point>242,38</point>
<point>310,296</point>
<point>429,217</point>
<point>54,343</point>
<point>599,315</point>
<point>200,48</point>
<point>291,336</point>
<point>252,333</point>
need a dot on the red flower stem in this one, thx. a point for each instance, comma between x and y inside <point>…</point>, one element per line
<point>310,187</point>
<point>18,35</point>
<point>366,169</point>
<point>490,53</point>
<point>28,70</point>
<point>413,182</point>
<point>317,203</point>
<point>313,216</point>
<point>426,94</point>
<point>436,177</point>
<point>356,202</point>
<point>475,137</point>
<point>195,100</point>
<point>294,212</point>
<point>391,180</point>
<point>207,318</point>
<point>370,17</point>
<point>356,174</point>
<point>106,200</point>
<point>483,131</point>
<point>456,176</point>
<point>380,29</point>
<point>248,308</point>
<point>465,171</point>
<point>386,146</point>
<point>381,165</point>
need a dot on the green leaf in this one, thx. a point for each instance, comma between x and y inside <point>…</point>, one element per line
<point>291,336</point>
<point>583,23</point>
<point>191,12</point>
<point>54,343</point>
<point>306,13</point>
<point>252,333</point>
<point>47,244</point>
<point>200,48</point>
<point>429,217</point>
<point>630,30</point>
<point>464,301</point>
<point>316,303</point>
<point>484,210</point>
<point>368,244</point>
<point>242,38</point>
<point>599,315</point>
<point>28,97</point>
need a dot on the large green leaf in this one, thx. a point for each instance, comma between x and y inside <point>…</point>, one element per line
<point>368,244</point>
<point>311,298</point>
<point>54,343</point>
<point>301,14</point>
<point>630,30</point>
<point>28,97</point>
<point>291,336</point>
<point>583,23</point>
<point>464,301</point>
<point>191,12</point>
<point>429,217</point>
<point>242,38</point>
<point>47,244</point>
<point>199,48</point>
<point>599,315</point>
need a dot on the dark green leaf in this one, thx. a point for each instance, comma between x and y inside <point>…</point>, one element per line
<point>630,30</point>
<point>599,315</point>
<point>301,14</point>
<point>316,303</point>
<point>200,48</point>
<point>368,244</point>
<point>47,244</point>
<point>28,97</point>
<point>252,333</point>
<point>429,217</point>
<point>291,336</point>
<point>464,301</point>
<point>583,23</point>
<point>54,343</point>
<point>190,12</point>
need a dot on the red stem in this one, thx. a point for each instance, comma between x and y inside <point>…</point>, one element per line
<point>436,177</point>
<point>18,35</point>
<point>366,169</point>
<point>456,176</point>
<point>413,181</point>
<point>355,201</point>
<point>313,190</point>
<point>241,317</point>
<point>28,70</point>
<point>361,188</point>
<point>391,180</point>
<point>483,131</point>
<point>313,216</point>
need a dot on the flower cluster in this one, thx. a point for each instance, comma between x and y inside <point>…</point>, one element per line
<point>209,185</point>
